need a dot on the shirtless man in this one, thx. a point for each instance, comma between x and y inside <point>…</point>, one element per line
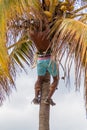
<point>44,64</point>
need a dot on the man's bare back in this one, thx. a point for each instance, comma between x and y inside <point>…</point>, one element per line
<point>40,40</point>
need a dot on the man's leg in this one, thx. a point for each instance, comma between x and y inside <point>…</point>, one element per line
<point>38,84</point>
<point>54,71</point>
<point>53,86</point>
<point>52,89</point>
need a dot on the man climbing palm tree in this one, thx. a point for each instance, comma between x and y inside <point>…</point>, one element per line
<point>67,36</point>
<point>44,64</point>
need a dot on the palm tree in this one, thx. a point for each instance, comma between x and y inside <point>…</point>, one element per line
<point>57,21</point>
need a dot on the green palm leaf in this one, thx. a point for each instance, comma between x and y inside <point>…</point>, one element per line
<point>23,52</point>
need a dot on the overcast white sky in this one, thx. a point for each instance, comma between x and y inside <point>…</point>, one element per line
<point>18,113</point>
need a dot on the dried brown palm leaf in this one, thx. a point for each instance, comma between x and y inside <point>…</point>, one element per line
<point>70,39</point>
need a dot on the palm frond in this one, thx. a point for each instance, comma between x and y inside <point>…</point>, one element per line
<point>70,39</point>
<point>22,53</point>
<point>36,4</point>
<point>83,19</point>
<point>14,11</point>
<point>6,80</point>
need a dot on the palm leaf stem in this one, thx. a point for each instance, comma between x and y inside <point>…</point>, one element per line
<point>18,43</point>
<point>77,15</point>
<point>83,7</point>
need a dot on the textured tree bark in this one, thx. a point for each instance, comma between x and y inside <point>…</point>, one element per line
<point>44,113</point>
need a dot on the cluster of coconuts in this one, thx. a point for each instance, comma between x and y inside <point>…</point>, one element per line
<point>63,6</point>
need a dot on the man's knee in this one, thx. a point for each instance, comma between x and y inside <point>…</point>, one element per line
<point>56,80</point>
<point>54,83</point>
<point>38,83</point>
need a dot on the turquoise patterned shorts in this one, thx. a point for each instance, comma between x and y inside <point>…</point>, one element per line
<point>44,65</point>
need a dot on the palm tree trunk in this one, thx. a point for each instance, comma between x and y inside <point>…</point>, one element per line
<point>44,113</point>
